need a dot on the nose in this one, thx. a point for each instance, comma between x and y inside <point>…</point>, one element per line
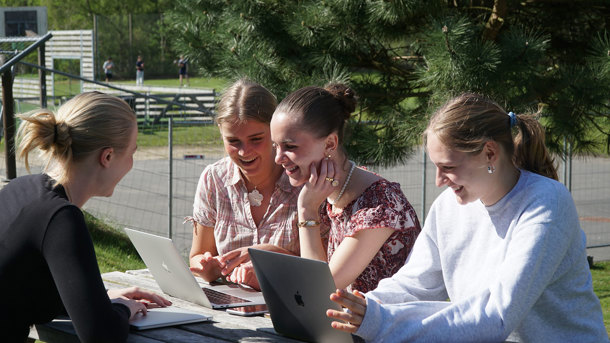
<point>243,149</point>
<point>279,155</point>
<point>441,179</point>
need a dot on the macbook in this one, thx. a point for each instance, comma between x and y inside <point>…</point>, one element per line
<point>297,291</point>
<point>165,316</point>
<point>175,278</point>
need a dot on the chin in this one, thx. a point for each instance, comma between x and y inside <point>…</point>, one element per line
<point>296,182</point>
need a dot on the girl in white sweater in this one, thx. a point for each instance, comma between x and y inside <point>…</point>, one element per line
<point>501,255</point>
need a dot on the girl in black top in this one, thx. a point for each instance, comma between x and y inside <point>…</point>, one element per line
<point>47,261</point>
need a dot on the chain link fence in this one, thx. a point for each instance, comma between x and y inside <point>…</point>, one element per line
<point>158,193</point>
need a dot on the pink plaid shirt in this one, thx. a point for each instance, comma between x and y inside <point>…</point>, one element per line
<point>221,202</point>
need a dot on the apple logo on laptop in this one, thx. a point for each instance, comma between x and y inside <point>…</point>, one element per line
<point>165,267</point>
<point>299,299</point>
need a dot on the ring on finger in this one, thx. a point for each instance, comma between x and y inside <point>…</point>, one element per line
<point>332,181</point>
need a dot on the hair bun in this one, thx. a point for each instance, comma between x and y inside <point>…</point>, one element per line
<point>62,141</point>
<point>345,95</point>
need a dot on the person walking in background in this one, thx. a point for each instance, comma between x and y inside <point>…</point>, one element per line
<point>108,66</point>
<point>501,256</point>
<point>48,265</point>
<point>139,71</point>
<point>244,200</point>
<point>182,70</point>
<point>357,221</point>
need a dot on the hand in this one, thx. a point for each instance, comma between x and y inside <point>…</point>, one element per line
<point>234,258</point>
<point>355,302</point>
<point>245,275</point>
<point>137,300</point>
<point>206,266</point>
<point>316,189</point>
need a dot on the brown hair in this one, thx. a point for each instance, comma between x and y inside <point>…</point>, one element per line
<point>321,110</point>
<point>86,123</point>
<point>246,100</point>
<point>467,122</point>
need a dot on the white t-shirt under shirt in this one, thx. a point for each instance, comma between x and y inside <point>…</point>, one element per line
<point>515,270</point>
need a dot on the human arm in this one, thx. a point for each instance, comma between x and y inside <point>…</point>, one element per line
<point>203,258</point>
<point>69,253</point>
<point>310,198</point>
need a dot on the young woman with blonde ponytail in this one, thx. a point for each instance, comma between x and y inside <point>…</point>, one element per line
<point>501,256</point>
<point>47,261</point>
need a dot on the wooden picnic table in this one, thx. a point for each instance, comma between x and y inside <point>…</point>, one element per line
<point>223,327</point>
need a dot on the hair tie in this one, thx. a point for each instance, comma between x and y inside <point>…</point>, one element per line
<point>513,119</point>
<point>55,133</point>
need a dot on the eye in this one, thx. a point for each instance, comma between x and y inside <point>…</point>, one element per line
<point>447,168</point>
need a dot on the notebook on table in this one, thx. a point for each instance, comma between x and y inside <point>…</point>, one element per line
<point>175,278</point>
<point>297,291</point>
<point>166,316</point>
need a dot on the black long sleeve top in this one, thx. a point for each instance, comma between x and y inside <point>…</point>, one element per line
<point>48,265</point>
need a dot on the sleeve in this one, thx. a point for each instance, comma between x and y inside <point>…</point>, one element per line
<point>69,252</point>
<point>539,244</point>
<point>204,206</point>
<point>383,207</point>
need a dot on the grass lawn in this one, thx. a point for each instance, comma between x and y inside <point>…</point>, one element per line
<point>194,82</point>
<point>601,286</point>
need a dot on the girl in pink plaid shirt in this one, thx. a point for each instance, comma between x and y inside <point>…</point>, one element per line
<point>244,200</point>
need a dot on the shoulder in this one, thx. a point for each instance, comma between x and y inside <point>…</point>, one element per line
<point>221,172</point>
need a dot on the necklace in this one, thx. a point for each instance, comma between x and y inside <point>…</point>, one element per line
<point>255,197</point>
<point>351,170</point>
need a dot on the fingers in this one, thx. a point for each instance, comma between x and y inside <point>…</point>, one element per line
<point>144,296</point>
<point>344,327</point>
<point>355,302</point>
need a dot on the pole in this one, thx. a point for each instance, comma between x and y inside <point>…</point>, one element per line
<point>42,77</point>
<point>8,121</point>
<point>423,186</point>
<point>170,134</point>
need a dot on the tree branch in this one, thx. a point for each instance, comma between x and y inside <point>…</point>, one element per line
<point>496,20</point>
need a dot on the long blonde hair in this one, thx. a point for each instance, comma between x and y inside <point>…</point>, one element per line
<point>86,123</point>
<point>466,122</point>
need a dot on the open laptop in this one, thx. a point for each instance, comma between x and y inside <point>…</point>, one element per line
<point>166,316</point>
<point>297,291</point>
<point>175,278</point>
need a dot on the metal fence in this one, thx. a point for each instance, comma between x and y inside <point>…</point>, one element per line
<point>158,193</point>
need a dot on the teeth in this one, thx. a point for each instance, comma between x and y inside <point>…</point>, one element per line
<point>248,161</point>
<point>291,169</point>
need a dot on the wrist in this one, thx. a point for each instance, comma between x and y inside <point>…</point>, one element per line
<point>308,224</point>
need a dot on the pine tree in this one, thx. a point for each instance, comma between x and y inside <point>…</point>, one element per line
<point>404,57</point>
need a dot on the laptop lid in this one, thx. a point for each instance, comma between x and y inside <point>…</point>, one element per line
<point>166,316</point>
<point>297,291</point>
<point>175,278</point>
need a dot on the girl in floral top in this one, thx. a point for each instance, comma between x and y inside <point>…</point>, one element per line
<point>359,222</point>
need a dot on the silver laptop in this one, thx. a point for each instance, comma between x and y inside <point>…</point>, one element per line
<point>297,291</point>
<point>175,278</point>
<point>166,316</point>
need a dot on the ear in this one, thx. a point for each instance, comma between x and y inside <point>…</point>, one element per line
<point>332,142</point>
<point>491,150</point>
<point>106,156</point>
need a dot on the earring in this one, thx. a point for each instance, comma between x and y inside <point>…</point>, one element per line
<point>491,169</point>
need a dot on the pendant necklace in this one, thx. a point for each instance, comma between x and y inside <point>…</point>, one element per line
<point>255,197</point>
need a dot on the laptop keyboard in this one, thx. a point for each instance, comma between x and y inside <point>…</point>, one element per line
<point>216,297</point>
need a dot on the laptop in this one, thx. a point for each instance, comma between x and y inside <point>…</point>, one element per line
<point>165,316</point>
<point>175,278</point>
<point>297,291</point>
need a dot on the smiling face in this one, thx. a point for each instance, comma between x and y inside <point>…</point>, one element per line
<point>248,144</point>
<point>465,173</point>
<point>296,148</point>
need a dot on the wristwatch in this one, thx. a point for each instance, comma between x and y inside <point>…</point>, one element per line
<point>309,223</point>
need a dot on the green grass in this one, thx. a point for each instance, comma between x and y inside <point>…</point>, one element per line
<point>113,249</point>
<point>601,286</point>
<point>194,82</point>
<point>182,135</point>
